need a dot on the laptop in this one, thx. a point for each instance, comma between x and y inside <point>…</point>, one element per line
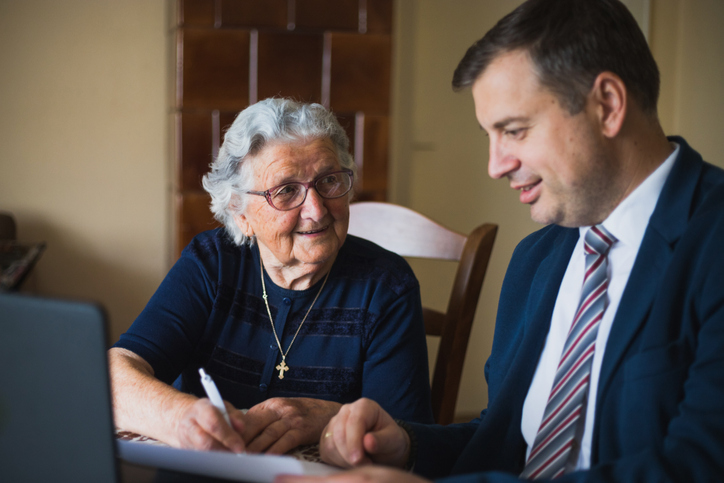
<point>56,421</point>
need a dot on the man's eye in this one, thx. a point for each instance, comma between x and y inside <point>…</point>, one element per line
<point>515,133</point>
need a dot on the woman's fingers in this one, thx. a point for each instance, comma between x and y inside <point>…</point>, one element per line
<point>281,424</point>
<point>203,427</point>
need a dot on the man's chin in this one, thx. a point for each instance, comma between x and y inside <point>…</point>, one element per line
<point>538,215</point>
<point>543,217</point>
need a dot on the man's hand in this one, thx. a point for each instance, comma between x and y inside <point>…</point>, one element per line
<point>363,433</point>
<point>202,426</point>
<point>364,474</point>
<point>278,425</point>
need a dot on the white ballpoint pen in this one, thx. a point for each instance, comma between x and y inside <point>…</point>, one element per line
<point>213,393</point>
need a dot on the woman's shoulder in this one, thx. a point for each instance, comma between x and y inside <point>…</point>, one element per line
<point>363,259</point>
<point>364,249</point>
<point>215,247</point>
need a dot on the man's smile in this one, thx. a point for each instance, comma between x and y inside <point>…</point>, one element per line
<point>528,192</point>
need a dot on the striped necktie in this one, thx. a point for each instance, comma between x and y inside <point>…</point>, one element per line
<point>555,440</point>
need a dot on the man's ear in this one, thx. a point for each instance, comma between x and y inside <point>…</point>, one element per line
<point>610,97</point>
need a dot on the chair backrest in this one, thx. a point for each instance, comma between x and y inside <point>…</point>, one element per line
<point>8,229</point>
<point>411,234</point>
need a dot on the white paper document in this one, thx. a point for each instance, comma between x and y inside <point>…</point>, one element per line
<point>241,467</point>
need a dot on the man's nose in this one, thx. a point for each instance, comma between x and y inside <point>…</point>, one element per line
<point>501,161</point>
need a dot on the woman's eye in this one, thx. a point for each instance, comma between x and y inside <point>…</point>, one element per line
<point>331,179</point>
<point>287,191</point>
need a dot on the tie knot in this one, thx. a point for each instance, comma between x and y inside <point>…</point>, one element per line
<point>598,240</point>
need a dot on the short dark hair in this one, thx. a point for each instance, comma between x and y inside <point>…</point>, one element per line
<point>570,42</point>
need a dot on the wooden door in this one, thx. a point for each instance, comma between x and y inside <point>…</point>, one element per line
<point>231,53</point>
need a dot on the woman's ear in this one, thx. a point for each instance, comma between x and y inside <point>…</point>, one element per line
<point>610,97</point>
<point>243,223</point>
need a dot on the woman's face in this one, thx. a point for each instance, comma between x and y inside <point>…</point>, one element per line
<point>307,237</point>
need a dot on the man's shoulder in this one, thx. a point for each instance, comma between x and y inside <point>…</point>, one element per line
<point>692,170</point>
<point>707,219</point>
<point>712,184</point>
<point>546,239</point>
<point>693,191</point>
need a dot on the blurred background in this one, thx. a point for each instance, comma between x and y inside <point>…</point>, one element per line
<point>89,152</point>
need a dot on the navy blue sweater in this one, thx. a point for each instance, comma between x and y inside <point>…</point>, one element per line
<point>363,338</point>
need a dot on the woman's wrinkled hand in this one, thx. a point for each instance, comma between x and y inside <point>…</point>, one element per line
<point>202,426</point>
<point>279,425</point>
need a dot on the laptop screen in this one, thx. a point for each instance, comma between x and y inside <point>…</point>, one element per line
<point>55,408</point>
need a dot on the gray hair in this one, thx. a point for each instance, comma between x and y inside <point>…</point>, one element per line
<point>269,121</point>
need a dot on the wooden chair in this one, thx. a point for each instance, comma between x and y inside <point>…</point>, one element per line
<point>411,234</point>
<point>8,228</point>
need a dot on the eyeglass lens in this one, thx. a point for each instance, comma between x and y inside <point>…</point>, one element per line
<point>291,195</point>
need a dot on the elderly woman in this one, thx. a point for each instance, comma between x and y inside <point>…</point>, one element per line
<point>289,315</point>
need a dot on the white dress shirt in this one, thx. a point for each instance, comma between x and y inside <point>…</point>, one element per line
<point>627,223</point>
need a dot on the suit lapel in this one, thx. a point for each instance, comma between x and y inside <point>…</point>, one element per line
<point>543,295</point>
<point>666,225</point>
<point>498,443</point>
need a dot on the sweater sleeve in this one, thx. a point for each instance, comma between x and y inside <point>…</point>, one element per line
<point>395,369</point>
<point>169,327</point>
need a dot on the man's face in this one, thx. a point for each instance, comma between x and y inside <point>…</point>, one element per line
<point>557,161</point>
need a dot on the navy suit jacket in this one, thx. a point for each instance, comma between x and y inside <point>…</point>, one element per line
<point>660,403</point>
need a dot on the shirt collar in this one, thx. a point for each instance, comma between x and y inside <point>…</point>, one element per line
<point>628,221</point>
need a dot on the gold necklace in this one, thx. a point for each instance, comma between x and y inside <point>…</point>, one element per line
<point>283,367</point>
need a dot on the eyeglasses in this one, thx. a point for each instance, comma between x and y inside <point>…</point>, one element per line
<point>288,196</point>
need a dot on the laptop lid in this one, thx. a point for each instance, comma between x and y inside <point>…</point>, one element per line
<point>56,422</point>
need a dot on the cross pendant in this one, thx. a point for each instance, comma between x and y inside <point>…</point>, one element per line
<point>282,368</point>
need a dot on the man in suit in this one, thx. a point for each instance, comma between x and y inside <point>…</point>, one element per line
<point>608,356</point>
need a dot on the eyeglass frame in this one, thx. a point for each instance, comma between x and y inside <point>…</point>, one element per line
<point>307,186</point>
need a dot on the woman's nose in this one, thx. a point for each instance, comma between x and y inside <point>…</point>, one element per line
<point>313,206</point>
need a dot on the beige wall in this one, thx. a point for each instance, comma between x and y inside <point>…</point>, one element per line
<point>439,158</point>
<point>688,42</point>
<point>83,145</point>
<point>84,156</point>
